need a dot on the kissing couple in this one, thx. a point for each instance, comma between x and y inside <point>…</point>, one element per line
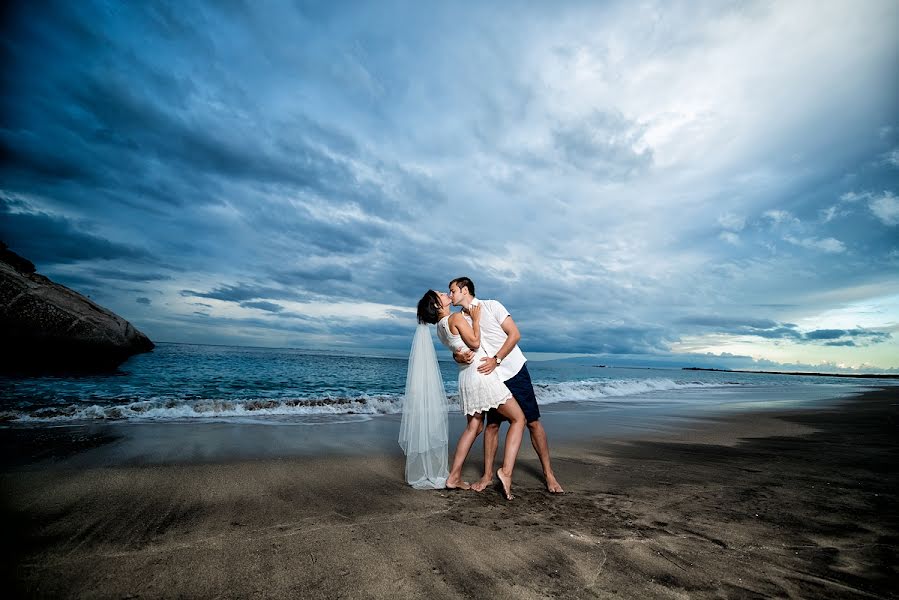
<point>493,382</point>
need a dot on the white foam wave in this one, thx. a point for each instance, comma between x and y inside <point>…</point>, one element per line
<point>181,409</point>
<point>595,390</point>
<point>177,410</point>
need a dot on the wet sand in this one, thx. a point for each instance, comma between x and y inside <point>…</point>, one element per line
<point>758,505</point>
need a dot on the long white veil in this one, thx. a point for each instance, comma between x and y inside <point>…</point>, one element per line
<point>423,435</point>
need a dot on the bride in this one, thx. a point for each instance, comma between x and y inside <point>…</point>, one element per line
<point>478,393</point>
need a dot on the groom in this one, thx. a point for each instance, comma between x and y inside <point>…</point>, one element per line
<point>499,336</point>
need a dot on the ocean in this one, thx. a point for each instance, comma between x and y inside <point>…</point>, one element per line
<point>179,383</point>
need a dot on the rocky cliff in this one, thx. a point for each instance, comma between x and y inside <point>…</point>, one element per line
<point>45,327</point>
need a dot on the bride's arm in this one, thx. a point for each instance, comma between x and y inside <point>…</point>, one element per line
<point>471,334</point>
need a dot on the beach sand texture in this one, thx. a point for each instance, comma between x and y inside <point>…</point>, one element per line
<point>790,505</point>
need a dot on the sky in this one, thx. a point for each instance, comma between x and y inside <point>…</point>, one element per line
<point>658,183</point>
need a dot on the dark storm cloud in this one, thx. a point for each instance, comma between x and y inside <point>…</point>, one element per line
<point>47,239</point>
<point>874,337</point>
<point>734,322</point>
<point>766,328</point>
<point>378,328</point>
<point>262,305</point>
<point>394,269</point>
<point>241,293</point>
<point>636,339</point>
<point>187,142</point>
<point>302,275</point>
<point>259,326</point>
<point>127,125</point>
<point>117,131</point>
<point>559,335</point>
<point>144,301</point>
<point>123,275</point>
<point>825,334</point>
<point>249,294</point>
<point>26,154</point>
<point>339,238</point>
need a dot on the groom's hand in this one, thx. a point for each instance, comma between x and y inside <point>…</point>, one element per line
<point>488,364</point>
<point>463,358</point>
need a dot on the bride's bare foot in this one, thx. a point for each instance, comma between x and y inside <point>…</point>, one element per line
<point>481,484</point>
<point>457,484</point>
<point>552,486</point>
<point>507,483</point>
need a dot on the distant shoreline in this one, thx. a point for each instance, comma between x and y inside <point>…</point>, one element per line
<point>856,375</point>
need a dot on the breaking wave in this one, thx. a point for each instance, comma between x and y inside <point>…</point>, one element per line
<point>587,391</point>
<point>190,409</point>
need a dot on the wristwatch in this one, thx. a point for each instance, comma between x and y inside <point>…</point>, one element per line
<point>498,360</point>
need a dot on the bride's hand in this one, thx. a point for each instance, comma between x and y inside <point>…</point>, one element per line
<point>474,312</point>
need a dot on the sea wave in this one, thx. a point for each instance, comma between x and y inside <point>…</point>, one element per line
<point>172,409</point>
<point>190,409</point>
<point>598,390</point>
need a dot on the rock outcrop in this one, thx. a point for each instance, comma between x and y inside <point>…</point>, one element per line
<point>47,328</point>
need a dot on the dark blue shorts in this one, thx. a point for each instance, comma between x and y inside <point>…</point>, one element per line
<point>521,387</point>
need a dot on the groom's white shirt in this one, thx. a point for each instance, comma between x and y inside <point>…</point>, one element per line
<point>493,313</point>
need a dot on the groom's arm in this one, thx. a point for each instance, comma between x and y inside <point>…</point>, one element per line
<point>488,364</point>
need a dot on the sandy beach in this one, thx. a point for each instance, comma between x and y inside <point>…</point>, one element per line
<point>797,504</point>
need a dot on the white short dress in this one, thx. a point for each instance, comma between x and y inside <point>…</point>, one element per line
<point>477,392</point>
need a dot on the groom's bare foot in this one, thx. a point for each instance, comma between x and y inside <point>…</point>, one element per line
<point>481,484</point>
<point>552,486</point>
<point>507,483</point>
<point>457,484</point>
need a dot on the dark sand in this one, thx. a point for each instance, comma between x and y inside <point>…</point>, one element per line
<point>791,505</point>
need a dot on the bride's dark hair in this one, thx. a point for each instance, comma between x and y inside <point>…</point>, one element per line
<point>428,307</point>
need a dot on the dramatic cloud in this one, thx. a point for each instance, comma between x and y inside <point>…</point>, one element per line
<point>47,238</point>
<point>267,306</point>
<point>765,328</point>
<point>299,174</point>
<point>240,293</point>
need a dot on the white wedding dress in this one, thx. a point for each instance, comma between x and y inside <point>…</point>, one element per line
<point>477,392</point>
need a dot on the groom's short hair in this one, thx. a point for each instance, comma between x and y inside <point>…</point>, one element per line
<point>464,282</point>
